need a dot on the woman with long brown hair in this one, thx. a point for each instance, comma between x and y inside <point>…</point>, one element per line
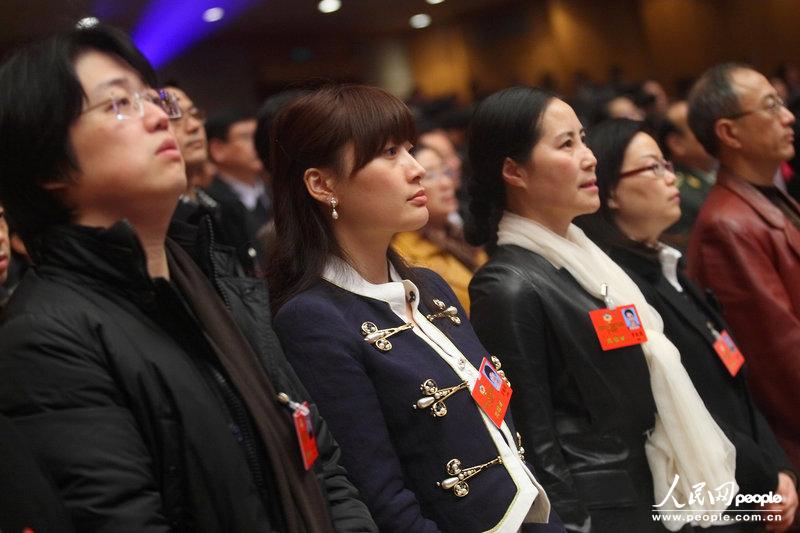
<point>386,351</point>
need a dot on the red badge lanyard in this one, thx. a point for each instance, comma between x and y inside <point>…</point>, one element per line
<point>303,428</point>
<point>617,327</point>
<point>727,350</point>
<point>491,392</point>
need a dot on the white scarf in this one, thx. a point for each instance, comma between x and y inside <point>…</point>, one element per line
<point>686,440</point>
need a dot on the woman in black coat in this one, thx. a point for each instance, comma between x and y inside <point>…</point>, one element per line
<point>639,200</point>
<point>595,419</point>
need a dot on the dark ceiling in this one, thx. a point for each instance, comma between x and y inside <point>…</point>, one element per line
<point>26,20</point>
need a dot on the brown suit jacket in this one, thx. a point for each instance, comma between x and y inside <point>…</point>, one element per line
<point>746,250</point>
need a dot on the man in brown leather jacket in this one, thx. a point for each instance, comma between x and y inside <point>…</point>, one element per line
<point>746,242</point>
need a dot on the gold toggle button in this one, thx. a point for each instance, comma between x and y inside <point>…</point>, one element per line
<point>445,311</point>
<point>379,337</point>
<point>434,396</point>
<point>458,483</point>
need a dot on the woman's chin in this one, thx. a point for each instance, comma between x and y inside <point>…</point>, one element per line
<point>418,222</point>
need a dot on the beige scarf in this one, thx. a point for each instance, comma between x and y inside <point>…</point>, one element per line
<point>686,440</point>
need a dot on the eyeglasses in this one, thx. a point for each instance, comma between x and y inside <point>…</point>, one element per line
<point>125,105</point>
<point>195,113</point>
<point>659,168</point>
<point>432,176</point>
<point>773,106</point>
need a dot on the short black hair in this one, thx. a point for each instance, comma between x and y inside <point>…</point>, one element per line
<point>266,115</point>
<point>663,131</point>
<point>218,125</point>
<point>608,141</point>
<point>40,97</point>
<point>712,97</point>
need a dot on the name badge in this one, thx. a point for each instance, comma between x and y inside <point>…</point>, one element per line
<point>492,393</point>
<point>304,429</point>
<point>618,327</point>
<point>729,353</point>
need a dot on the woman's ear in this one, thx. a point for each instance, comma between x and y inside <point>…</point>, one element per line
<point>514,174</point>
<point>319,183</point>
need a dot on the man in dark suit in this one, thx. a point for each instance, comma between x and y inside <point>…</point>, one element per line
<point>238,186</point>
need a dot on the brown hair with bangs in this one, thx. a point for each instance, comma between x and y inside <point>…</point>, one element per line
<point>315,131</point>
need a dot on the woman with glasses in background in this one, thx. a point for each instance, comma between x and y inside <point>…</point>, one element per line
<point>608,412</point>
<point>440,244</point>
<point>638,201</point>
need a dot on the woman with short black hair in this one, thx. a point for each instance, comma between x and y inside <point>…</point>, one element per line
<point>638,201</point>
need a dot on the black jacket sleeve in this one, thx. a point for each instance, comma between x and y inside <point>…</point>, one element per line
<point>348,512</point>
<point>29,499</point>
<point>56,387</point>
<point>249,301</point>
<point>512,325</point>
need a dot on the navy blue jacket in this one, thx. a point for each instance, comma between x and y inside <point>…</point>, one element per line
<point>396,454</point>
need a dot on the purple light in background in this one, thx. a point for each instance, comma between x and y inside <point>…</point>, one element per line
<point>167,28</point>
<point>108,10</point>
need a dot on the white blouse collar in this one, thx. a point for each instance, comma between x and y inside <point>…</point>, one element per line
<point>396,292</point>
<point>669,257</point>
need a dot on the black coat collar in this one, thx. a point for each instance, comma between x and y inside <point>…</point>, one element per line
<point>690,305</point>
<point>115,255</point>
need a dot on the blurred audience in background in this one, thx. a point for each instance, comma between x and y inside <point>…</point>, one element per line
<point>440,244</point>
<point>238,186</point>
<point>265,116</point>
<point>695,170</point>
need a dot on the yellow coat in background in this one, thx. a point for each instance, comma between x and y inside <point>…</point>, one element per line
<point>420,251</point>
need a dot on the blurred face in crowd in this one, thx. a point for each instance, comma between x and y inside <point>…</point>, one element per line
<point>439,141</point>
<point>439,186</point>
<point>385,196</point>
<point>189,131</point>
<point>686,149</point>
<point>237,155</point>
<point>623,107</point>
<point>129,168</point>
<point>647,202</point>
<point>763,132</point>
<point>660,100</point>
<point>5,248</point>
<point>558,181</point>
